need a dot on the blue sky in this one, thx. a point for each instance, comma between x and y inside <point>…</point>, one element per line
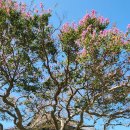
<point>118,11</point>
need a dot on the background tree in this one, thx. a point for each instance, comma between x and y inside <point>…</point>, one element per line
<point>83,76</point>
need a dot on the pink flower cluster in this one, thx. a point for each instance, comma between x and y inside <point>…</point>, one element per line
<point>92,15</point>
<point>83,21</point>
<point>65,28</point>
<point>115,30</point>
<point>6,5</point>
<point>74,26</point>
<point>103,20</point>
<point>94,34</point>
<point>128,26</point>
<point>10,4</point>
<point>87,16</point>
<point>78,42</point>
<point>16,6</point>
<point>104,33</point>
<point>88,32</point>
<point>21,7</point>
<point>84,32</point>
<point>41,5</point>
<point>0,3</point>
<point>83,35</point>
<point>125,42</point>
<point>48,11</point>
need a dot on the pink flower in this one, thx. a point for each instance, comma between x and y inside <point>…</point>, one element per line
<point>0,3</point>
<point>94,34</point>
<point>107,21</point>
<point>41,5</point>
<point>65,28</point>
<point>124,42</point>
<point>115,30</point>
<point>84,34</point>
<point>84,52</point>
<point>89,27</point>
<point>85,18</point>
<point>9,1</point>
<point>77,42</point>
<point>47,11</point>
<point>93,13</point>
<point>104,33</point>
<point>81,22</point>
<point>74,26</point>
<point>128,26</point>
<point>16,6</point>
<point>7,10</point>
<point>23,8</point>
<point>101,19</point>
<point>28,15</point>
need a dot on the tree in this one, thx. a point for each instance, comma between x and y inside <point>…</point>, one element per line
<point>83,76</point>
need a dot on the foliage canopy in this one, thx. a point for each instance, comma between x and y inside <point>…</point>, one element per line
<point>84,76</point>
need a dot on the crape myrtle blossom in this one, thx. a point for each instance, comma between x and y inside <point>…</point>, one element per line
<point>115,34</point>
<point>125,42</point>
<point>23,7</point>
<point>41,5</point>
<point>9,5</point>
<point>104,33</point>
<point>115,30</point>
<point>78,42</point>
<point>93,13</point>
<point>0,4</point>
<point>128,26</point>
<point>85,18</point>
<point>74,26</point>
<point>68,27</point>
<point>103,20</point>
<point>83,35</point>
<point>16,6</point>
<point>65,28</point>
<point>48,11</point>
<point>28,15</point>
<point>94,34</point>
<point>92,30</point>
<point>91,16</point>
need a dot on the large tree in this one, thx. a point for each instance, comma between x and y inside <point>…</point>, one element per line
<point>84,76</point>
